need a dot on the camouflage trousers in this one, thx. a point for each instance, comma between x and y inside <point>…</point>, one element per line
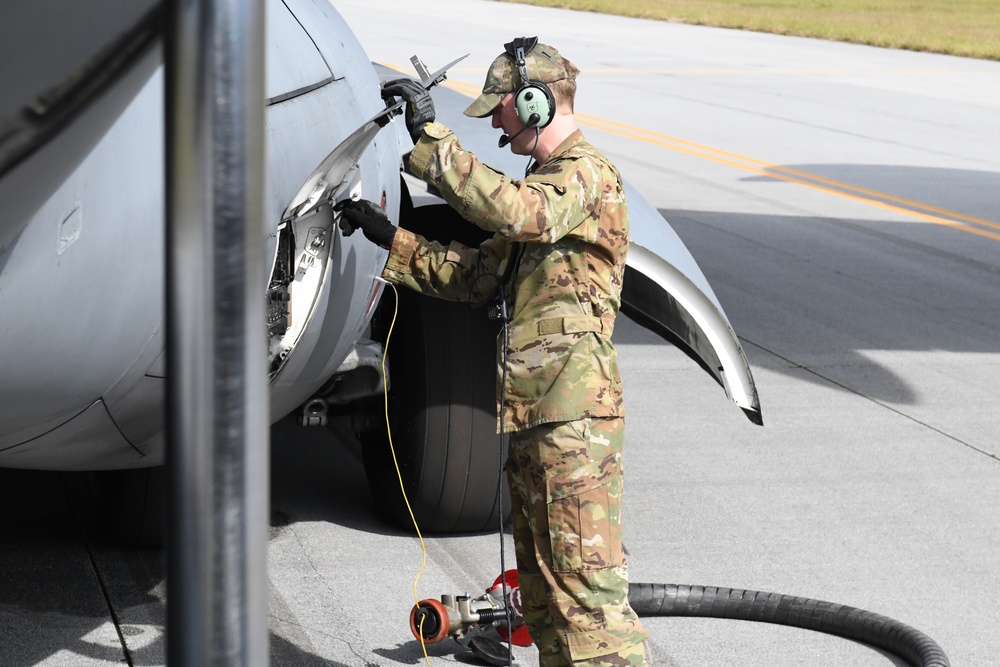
<point>566,482</point>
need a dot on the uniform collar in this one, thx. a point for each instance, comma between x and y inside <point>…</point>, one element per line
<point>572,141</point>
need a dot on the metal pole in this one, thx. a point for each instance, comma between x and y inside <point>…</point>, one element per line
<point>217,402</point>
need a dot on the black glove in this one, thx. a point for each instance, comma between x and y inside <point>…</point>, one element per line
<point>419,105</point>
<point>369,218</point>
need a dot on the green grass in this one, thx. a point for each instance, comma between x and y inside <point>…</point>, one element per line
<point>968,28</point>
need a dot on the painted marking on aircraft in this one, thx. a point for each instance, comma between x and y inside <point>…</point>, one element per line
<point>908,207</point>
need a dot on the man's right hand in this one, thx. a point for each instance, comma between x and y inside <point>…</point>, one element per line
<point>370,218</point>
<point>419,105</point>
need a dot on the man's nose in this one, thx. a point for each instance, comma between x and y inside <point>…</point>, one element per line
<point>496,119</point>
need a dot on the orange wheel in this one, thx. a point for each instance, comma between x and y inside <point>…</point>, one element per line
<point>429,619</point>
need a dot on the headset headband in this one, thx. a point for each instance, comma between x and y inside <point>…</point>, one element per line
<point>517,50</point>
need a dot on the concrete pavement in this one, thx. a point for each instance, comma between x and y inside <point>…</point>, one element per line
<point>844,202</point>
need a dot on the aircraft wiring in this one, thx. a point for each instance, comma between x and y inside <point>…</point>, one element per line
<point>395,462</point>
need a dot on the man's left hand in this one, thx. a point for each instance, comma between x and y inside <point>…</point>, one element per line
<point>419,105</point>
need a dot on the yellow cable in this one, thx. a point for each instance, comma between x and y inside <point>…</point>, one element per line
<point>388,428</point>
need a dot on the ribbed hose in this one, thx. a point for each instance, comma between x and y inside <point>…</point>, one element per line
<point>828,617</point>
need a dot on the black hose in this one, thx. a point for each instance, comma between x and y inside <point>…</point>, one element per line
<point>827,617</point>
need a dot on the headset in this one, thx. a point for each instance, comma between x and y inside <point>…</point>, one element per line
<point>533,101</point>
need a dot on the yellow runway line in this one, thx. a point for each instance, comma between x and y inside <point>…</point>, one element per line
<point>881,200</point>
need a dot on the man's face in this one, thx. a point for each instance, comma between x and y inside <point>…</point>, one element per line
<point>505,118</point>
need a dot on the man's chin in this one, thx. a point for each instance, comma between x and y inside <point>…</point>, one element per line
<point>520,147</point>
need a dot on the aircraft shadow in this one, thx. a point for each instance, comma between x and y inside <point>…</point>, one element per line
<point>837,297</point>
<point>64,586</point>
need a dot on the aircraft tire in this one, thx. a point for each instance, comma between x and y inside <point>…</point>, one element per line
<point>442,409</point>
<point>442,402</point>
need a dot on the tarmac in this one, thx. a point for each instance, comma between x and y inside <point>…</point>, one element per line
<point>843,201</point>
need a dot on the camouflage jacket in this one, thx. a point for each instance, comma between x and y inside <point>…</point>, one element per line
<point>569,214</point>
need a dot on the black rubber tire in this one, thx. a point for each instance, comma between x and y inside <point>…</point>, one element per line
<point>132,505</point>
<point>442,408</point>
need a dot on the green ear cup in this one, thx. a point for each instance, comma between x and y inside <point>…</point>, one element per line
<point>534,105</point>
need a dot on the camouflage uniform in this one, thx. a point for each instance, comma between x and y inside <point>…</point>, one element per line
<point>562,397</point>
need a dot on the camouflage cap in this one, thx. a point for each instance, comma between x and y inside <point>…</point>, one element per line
<point>543,63</point>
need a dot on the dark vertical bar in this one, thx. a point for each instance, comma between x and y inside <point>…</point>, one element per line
<point>217,403</point>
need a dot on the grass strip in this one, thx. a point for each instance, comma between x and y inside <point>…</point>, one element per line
<point>969,28</point>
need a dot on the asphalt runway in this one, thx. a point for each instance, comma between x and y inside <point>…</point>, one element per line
<point>844,202</point>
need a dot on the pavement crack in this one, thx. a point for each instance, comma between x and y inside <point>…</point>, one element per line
<point>332,596</point>
<point>100,578</point>
<point>324,633</point>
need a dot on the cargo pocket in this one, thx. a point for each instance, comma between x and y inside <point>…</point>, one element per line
<point>626,645</point>
<point>582,535</point>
